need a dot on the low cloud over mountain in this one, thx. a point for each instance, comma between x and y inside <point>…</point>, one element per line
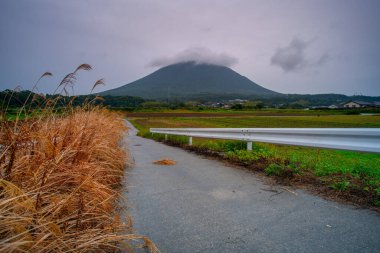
<point>293,56</point>
<point>198,55</point>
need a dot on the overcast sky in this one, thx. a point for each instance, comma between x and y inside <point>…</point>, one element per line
<point>298,46</point>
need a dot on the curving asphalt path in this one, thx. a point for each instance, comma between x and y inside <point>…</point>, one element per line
<point>202,205</point>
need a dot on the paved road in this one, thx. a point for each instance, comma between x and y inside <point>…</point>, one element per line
<point>202,205</point>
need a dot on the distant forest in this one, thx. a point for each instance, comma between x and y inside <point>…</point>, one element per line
<point>14,99</point>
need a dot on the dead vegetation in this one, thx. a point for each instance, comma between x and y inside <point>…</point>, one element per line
<point>165,161</point>
<point>61,177</point>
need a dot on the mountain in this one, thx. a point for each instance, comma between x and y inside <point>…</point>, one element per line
<point>190,79</point>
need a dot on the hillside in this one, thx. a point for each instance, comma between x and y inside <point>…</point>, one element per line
<point>189,79</point>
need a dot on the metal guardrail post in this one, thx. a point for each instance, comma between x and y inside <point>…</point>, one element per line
<point>166,137</point>
<point>249,145</point>
<point>190,141</point>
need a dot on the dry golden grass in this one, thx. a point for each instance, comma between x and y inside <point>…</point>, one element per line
<point>165,161</point>
<point>60,183</point>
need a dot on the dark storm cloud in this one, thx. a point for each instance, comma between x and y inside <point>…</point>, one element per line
<point>294,56</point>
<point>197,55</point>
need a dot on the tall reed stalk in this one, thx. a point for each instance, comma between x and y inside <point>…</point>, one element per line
<point>60,178</point>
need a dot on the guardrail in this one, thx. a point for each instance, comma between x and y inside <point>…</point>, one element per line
<point>357,139</point>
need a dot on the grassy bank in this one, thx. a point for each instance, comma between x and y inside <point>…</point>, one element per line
<point>351,176</point>
<point>61,174</point>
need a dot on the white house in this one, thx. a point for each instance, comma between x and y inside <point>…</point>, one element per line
<point>356,104</point>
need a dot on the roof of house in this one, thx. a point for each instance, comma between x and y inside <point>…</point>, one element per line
<point>359,102</point>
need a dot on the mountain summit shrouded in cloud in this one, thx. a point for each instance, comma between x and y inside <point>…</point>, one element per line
<point>191,79</point>
<point>198,55</point>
